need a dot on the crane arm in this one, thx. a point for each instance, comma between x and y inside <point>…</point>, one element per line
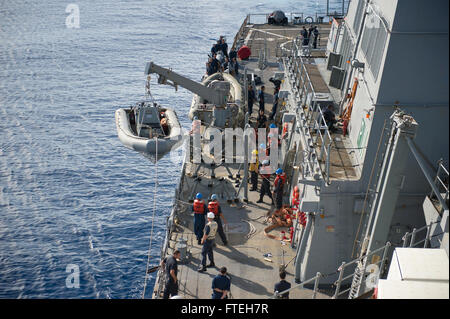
<point>211,95</point>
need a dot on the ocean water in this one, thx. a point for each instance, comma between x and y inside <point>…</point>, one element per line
<point>71,195</point>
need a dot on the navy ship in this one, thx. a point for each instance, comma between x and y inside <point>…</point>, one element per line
<point>361,132</point>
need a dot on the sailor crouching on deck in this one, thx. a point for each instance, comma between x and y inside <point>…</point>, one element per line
<point>199,209</point>
<point>208,242</point>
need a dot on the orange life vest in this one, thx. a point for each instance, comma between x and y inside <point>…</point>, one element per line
<point>282,177</point>
<point>295,199</point>
<point>199,206</point>
<point>213,206</point>
<point>285,129</point>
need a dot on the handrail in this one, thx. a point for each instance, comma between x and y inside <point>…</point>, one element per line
<point>315,119</point>
<point>314,279</point>
<point>240,32</point>
<point>440,184</point>
<point>413,234</point>
<point>360,259</point>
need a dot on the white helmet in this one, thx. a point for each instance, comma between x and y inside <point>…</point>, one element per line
<point>210,215</point>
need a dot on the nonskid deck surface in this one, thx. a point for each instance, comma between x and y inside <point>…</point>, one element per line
<point>257,36</point>
<point>251,275</point>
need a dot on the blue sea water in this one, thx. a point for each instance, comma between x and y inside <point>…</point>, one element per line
<point>70,192</point>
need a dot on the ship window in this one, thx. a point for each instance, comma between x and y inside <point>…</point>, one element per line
<point>373,42</point>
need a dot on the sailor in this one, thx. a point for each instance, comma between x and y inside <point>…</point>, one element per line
<point>215,64</point>
<point>224,46</point>
<point>304,34</point>
<point>196,125</point>
<point>225,64</point>
<point>253,168</point>
<point>251,99</point>
<point>263,150</point>
<point>315,37</point>
<point>278,185</point>
<point>265,186</point>
<point>329,117</point>
<point>171,267</point>
<point>210,70</point>
<point>261,119</point>
<point>208,242</point>
<point>216,47</point>
<point>282,285</point>
<point>199,209</point>
<point>215,208</point>
<point>275,104</point>
<point>234,67</point>
<point>164,124</point>
<point>221,285</point>
<point>310,31</point>
<point>261,98</point>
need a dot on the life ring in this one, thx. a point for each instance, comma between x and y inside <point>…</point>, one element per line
<point>306,20</point>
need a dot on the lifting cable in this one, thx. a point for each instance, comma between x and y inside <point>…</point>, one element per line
<point>153,218</point>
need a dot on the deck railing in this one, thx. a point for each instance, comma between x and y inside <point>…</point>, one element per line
<point>441,181</point>
<point>312,118</point>
<point>361,264</point>
<point>315,279</point>
<point>409,239</point>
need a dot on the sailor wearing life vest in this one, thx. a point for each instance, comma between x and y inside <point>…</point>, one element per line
<point>214,207</point>
<point>278,186</point>
<point>208,242</point>
<point>265,185</point>
<point>199,209</point>
<point>253,168</point>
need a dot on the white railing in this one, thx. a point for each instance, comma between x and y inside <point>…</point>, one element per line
<point>441,181</point>
<point>312,118</point>
<point>361,266</point>
<point>315,279</point>
<point>409,239</point>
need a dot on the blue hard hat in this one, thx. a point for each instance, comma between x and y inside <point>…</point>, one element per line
<point>272,125</point>
<point>213,196</point>
<point>279,171</point>
<point>199,196</point>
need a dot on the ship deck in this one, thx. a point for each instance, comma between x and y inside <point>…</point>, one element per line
<point>252,276</point>
<point>344,164</point>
